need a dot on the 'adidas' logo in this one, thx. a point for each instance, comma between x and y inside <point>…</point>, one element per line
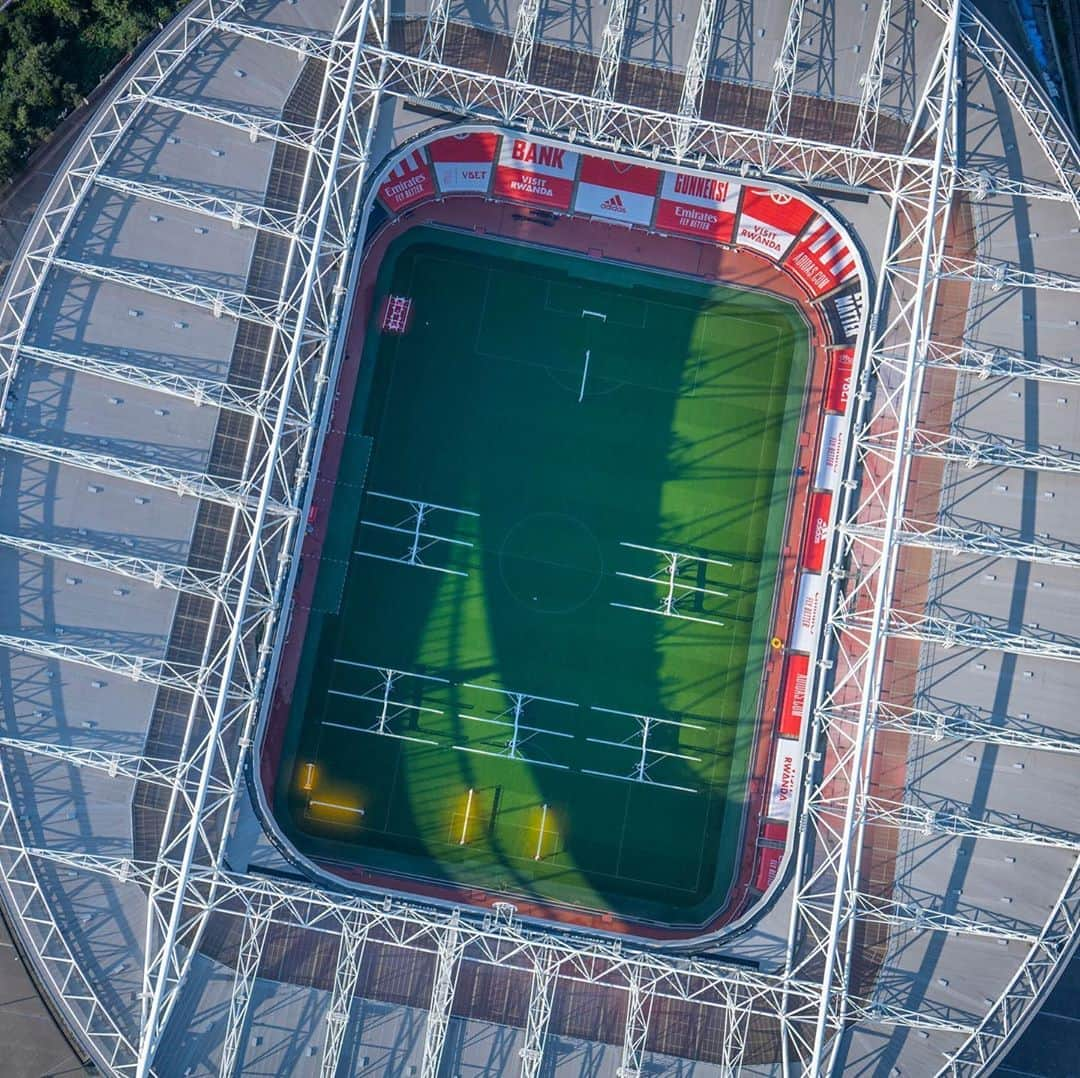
<point>613,204</point>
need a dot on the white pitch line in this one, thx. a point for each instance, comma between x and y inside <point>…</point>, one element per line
<point>584,376</point>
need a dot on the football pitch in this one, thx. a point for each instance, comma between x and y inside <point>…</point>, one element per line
<point>534,658</point>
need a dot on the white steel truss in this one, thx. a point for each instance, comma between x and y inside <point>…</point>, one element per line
<point>1002,363</point>
<point>248,959</point>
<point>784,71</point>
<point>521,48</point>
<point>866,122</point>
<point>435,31</point>
<point>189,883</point>
<point>538,1019</point>
<point>697,65</point>
<point>975,540</point>
<point>354,935</point>
<point>181,483</point>
<point>197,391</point>
<point>157,574</point>
<point>611,44</point>
<point>450,946</point>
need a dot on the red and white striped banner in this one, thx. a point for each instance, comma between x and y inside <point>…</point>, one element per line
<point>808,612</point>
<point>816,536</point>
<point>769,221</point>
<point>703,206</point>
<point>787,765</point>
<point>464,162</point>
<point>838,385</point>
<point>830,461</point>
<point>409,181</point>
<point>793,705</point>
<point>616,191</point>
<point>822,259</point>
<point>535,173</point>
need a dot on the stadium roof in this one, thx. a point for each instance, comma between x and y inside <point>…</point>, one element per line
<point>167,339</point>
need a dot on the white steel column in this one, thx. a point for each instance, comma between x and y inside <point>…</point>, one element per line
<point>521,48</point>
<point>354,935</point>
<point>451,944</point>
<point>870,98</point>
<point>784,71</point>
<point>607,70</point>
<point>541,993</point>
<point>697,66</point>
<point>431,48</point>
<point>252,945</point>
<point>638,1005</point>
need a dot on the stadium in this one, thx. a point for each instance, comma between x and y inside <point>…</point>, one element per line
<point>539,540</point>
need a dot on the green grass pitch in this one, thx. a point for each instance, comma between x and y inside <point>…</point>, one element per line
<point>500,687</point>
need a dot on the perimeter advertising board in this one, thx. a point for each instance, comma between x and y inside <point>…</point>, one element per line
<point>822,259</point>
<point>535,173</point>
<point>817,530</point>
<point>784,782</point>
<point>838,385</point>
<point>793,705</point>
<point>770,220</point>
<point>703,206</point>
<point>616,191</point>
<point>410,180</point>
<point>830,453</point>
<point>463,162</point>
<point>808,612</point>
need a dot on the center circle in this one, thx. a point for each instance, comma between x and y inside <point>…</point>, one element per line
<point>551,563</point>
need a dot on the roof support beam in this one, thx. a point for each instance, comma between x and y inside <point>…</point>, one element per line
<point>1002,363</point>
<point>305,43</point>
<point>354,934</point>
<point>254,126</point>
<point>219,301</point>
<point>982,541</point>
<point>965,722</point>
<point>447,963</point>
<point>431,48</point>
<point>138,668</point>
<point>784,71</point>
<point>736,1023</point>
<point>997,449</point>
<point>927,821</point>
<point>870,98</point>
<point>182,484</point>
<point>638,1005</point>
<point>233,212</point>
<point>252,945</point>
<point>697,66</point>
<point>124,765</point>
<point>1000,275</point>
<point>521,49</point>
<point>541,992</point>
<point>197,391</point>
<point>981,634</point>
<point>607,70</point>
<point>916,918</point>
<point>156,574</point>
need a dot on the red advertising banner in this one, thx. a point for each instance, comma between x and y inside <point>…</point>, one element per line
<point>771,831</point>
<point>703,206</point>
<point>770,220</point>
<point>817,530</point>
<point>535,173</point>
<point>616,191</point>
<point>822,259</point>
<point>787,764</point>
<point>409,181</point>
<point>793,706</point>
<point>768,865</point>
<point>838,385</point>
<point>464,162</point>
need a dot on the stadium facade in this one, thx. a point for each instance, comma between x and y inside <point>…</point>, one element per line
<point>172,335</point>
